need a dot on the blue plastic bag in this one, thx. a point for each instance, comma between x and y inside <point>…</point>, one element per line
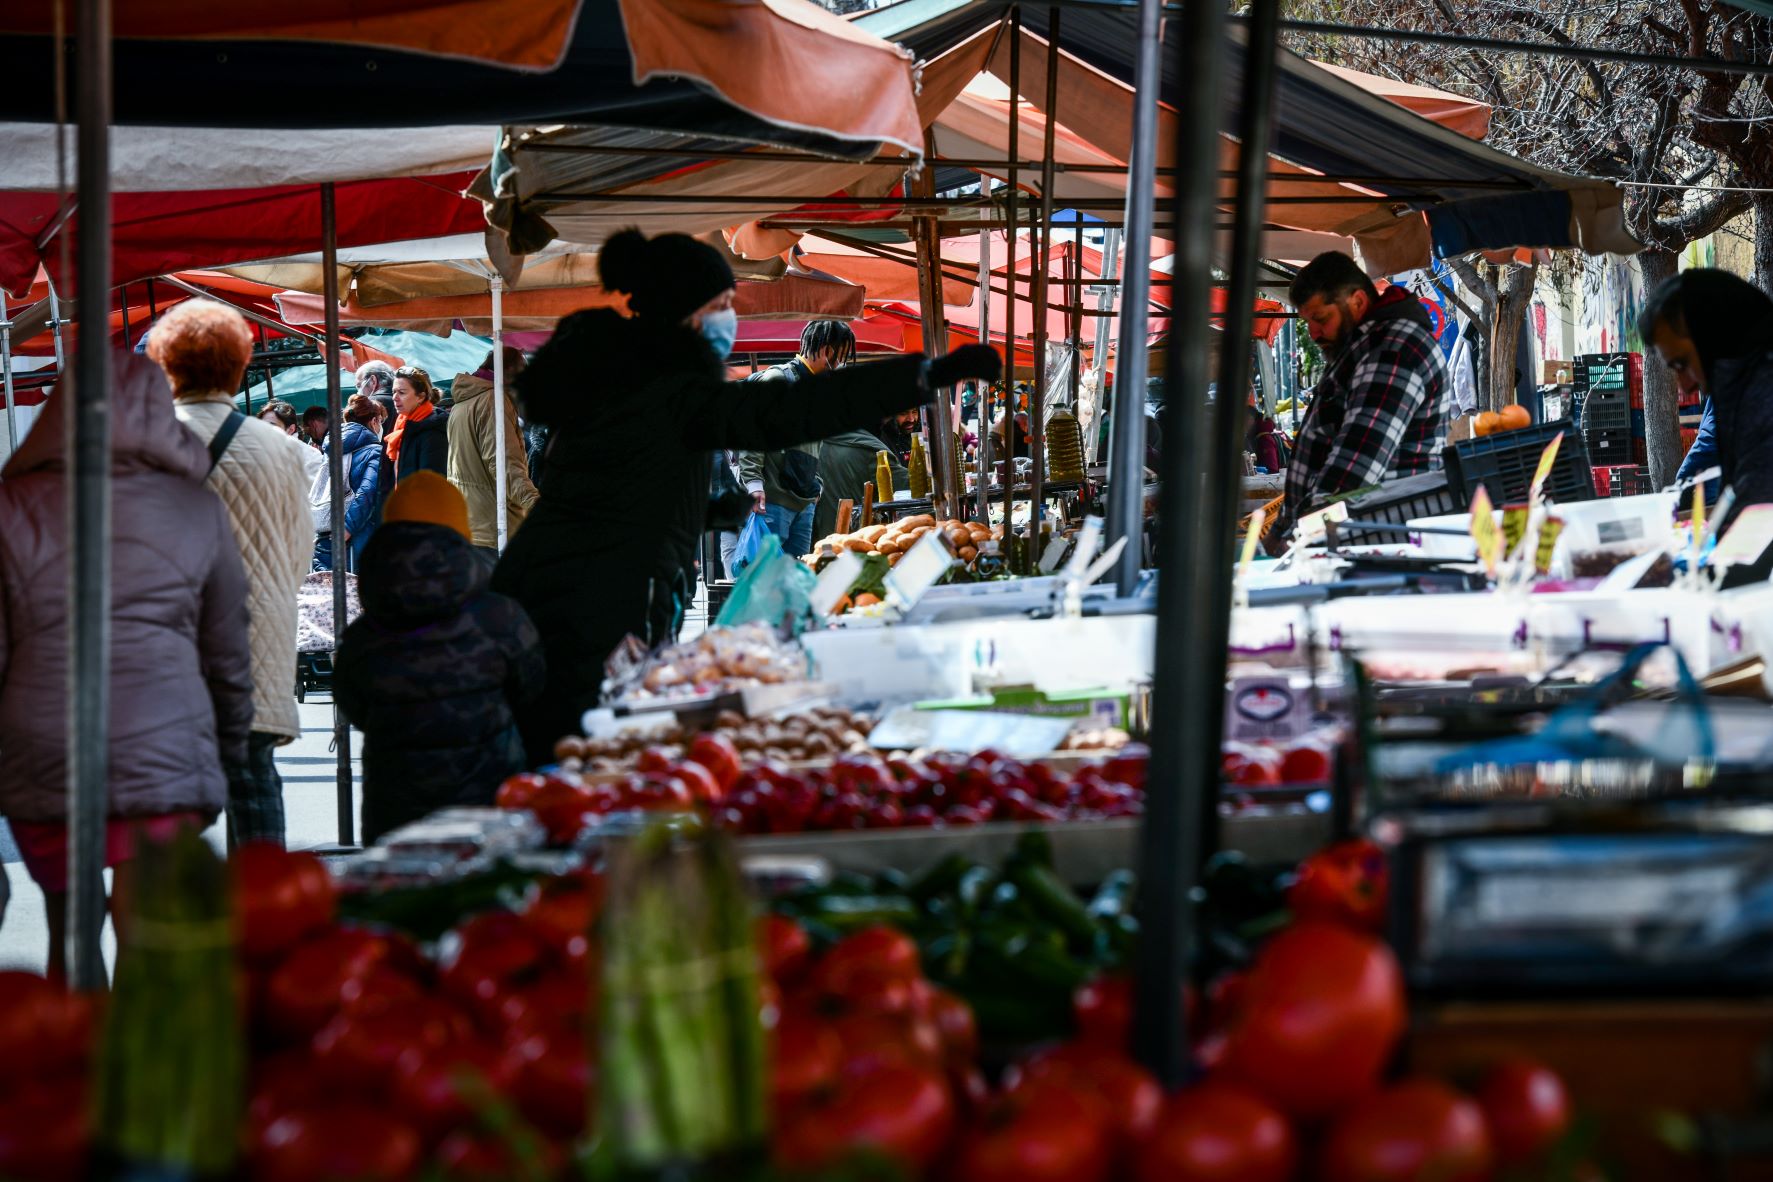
<point>757,528</point>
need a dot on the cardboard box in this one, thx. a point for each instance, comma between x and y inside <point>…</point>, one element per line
<point>1553,372</point>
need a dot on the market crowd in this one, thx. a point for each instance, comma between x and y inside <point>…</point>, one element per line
<point>624,443</point>
<point>465,665</point>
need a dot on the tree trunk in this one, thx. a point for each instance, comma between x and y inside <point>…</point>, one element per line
<point>1662,417</point>
<point>1514,295</point>
<point>1763,207</point>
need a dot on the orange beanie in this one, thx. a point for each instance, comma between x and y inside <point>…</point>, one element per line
<point>426,496</point>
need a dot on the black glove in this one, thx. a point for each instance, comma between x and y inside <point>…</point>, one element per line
<point>968,361</point>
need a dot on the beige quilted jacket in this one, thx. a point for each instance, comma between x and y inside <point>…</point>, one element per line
<point>263,481</point>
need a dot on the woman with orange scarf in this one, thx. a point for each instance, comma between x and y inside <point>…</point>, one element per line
<point>420,438</point>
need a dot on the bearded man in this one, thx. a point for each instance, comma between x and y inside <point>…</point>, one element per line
<point>1381,410</point>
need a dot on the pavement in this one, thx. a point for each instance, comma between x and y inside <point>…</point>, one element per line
<point>310,799</point>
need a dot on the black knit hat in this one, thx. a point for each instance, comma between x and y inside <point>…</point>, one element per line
<point>666,277</point>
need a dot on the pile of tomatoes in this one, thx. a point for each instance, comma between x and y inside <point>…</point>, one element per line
<point>857,791</point>
<point>46,1044</point>
<point>371,1060</point>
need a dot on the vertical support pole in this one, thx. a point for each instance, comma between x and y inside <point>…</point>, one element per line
<point>89,509</point>
<point>1009,330</point>
<point>123,304</point>
<point>270,386</point>
<point>501,484</point>
<point>1074,324</point>
<point>1126,444</point>
<point>945,481</point>
<point>1037,409</point>
<point>6,375</point>
<point>982,493</point>
<point>1182,792</point>
<point>55,324</point>
<point>335,425</point>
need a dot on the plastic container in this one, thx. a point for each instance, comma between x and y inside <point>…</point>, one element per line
<point>1621,526</point>
<point>1505,464</point>
<point>1397,502</point>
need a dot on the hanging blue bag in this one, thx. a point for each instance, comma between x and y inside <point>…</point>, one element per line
<point>750,543</point>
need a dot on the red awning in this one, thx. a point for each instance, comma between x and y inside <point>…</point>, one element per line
<point>160,233</point>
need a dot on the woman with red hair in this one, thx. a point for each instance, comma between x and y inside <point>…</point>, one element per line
<point>262,476</point>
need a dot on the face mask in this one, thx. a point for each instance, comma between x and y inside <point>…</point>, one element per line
<point>720,329</point>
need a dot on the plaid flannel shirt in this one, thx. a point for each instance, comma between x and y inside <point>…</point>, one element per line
<point>1379,413</point>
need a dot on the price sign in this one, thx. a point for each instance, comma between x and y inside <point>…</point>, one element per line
<point>1484,531</point>
<point>1546,460</point>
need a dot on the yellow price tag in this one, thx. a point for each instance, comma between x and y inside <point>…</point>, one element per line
<point>1546,460</point>
<point>1484,531</point>
<point>1698,517</point>
<point>1251,539</point>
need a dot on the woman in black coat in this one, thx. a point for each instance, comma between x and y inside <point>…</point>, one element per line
<point>419,439</point>
<point>1715,333</point>
<point>637,407</point>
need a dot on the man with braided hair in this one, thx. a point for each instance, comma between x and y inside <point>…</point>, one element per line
<point>785,485</point>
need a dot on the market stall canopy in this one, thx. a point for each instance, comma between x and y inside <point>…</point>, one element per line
<point>1434,192</point>
<point>443,357</point>
<point>156,233</point>
<point>755,71</point>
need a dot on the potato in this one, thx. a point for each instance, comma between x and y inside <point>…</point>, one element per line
<point>571,747</point>
<point>923,519</point>
<point>893,559</point>
<point>892,548</point>
<point>872,534</point>
<point>968,553</point>
<point>859,546</point>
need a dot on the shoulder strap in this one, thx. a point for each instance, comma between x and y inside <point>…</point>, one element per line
<point>218,444</point>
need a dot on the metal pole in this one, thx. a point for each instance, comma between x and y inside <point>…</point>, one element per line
<point>501,486</point>
<point>55,323</point>
<point>947,486</point>
<point>1009,331</point>
<point>6,374</point>
<point>89,511</point>
<point>335,425</point>
<point>1126,443</point>
<point>1074,318</point>
<point>1037,409</point>
<point>982,493</point>
<point>1186,727</point>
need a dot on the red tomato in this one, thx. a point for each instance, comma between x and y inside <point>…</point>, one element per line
<point>281,896</point>
<point>1306,764</point>
<point>806,1056</point>
<point>1344,883</point>
<point>955,1020</point>
<point>716,752</point>
<point>1131,1095</point>
<point>285,1082</point>
<point>1103,1010</point>
<point>355,1142</point>
<point>44,1130</point>
<point>480,1157</point>
<point>1218,1133</point>
<point>870,1040</point>
<point>1039,1135</point>
<point>44,1028</point>
<point>702,785</point>
<point>559,997</point>
<point>518,791</point>
<point>653,759</point>
<point>865,957</point>
<point>440,1088</point>
<point>1249,767</point>
<point>1527,1108</point>
<point>359,1046</point>
<point>310,986</point>
<point>903,1114</point>
<point>785,946</point>
<point>1420,1128</point>
<point>562,808</point>
<point>562,914</point>
<point>487,953</point>
<point>553,1079</point>
<point>1322,1010</point>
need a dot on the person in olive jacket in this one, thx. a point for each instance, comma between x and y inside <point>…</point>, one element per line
<point>846,463</point>
<point>638,406</point>
<point>435,669</point>
<point>419,439</point>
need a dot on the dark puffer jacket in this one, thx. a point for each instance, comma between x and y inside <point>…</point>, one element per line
<point>1742,405</point>
<point>424,446</point>
<point>433,674</point>
<point>637,410</point>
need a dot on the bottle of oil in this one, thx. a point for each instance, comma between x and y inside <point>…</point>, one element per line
<point>919,469</point>
<point>1064,447</point>
<point>883,477</point>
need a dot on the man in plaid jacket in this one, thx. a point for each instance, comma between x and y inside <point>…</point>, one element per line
<point>1381,410</point>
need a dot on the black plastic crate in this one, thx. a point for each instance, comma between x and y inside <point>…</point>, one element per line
<point>1629,480</point>
<point>1504,464</point>
<point>1611,447</point>
<point>1604,412</point>
<point>1396,502</point>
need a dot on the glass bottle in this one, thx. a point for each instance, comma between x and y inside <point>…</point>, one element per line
<point>883,477</point>
<point>919,469</point>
